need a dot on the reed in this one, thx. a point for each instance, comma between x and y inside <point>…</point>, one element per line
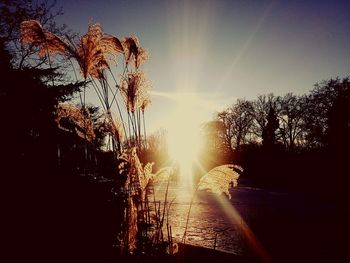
<point>218,181</point>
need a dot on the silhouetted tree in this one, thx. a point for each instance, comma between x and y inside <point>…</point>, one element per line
<point>318,106</point>
<point>157,149</point>
<point>224,117</point>
<point>269,132</point>
<point>12,13</point>
<point>338,134</point>
<point>214,149</point>
<point>213,134</point>
<point>29,153</point>
<point>292,120</point>
<point>31,106</point>
<point>262,106</point>
<point>314,129</point>
<point>238,120</point>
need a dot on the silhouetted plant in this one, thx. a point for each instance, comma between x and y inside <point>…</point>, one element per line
<point>218,181</point>
<point>144,227</point>
<point>93,53</point>
<point>146,101</point>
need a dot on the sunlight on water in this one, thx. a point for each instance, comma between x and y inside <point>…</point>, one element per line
<point>206,218</point>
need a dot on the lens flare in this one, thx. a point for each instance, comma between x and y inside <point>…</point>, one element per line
<point>183,133</point>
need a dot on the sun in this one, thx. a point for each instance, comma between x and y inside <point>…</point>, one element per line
<point>184,132</point>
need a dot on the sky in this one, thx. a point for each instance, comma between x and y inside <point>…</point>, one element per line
<point>224,50</point>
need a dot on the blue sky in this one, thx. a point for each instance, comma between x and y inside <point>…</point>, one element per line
<point>224,50</point>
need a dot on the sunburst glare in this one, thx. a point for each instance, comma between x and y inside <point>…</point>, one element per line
<point>183,131</point>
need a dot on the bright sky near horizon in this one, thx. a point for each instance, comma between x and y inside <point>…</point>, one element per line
<point>222,50</point>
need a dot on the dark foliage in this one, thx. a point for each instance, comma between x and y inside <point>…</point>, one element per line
<point>294,143</point>
<point>55,214</point>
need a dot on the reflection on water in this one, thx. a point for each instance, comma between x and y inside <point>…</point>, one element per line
<point>208,225</point>
<point>289,225</point>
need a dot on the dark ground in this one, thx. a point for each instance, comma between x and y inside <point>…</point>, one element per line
<point>74,220</point>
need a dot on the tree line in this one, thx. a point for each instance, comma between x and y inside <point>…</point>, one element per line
<point>279,138</point>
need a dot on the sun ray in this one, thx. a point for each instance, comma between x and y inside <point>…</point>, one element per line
<point>248,235</point>
<point>244,48</point>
